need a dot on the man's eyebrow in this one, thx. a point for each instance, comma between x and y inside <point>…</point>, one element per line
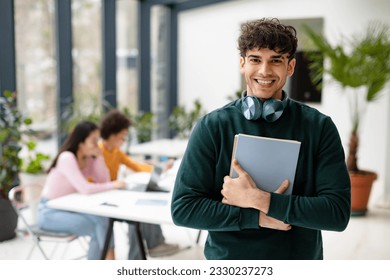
<point>272,56</point>
<point>278,56</point>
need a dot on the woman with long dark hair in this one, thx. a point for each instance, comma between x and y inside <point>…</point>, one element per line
<point>78,167</point>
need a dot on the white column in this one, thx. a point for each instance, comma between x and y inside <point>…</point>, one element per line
<point>384,200</point>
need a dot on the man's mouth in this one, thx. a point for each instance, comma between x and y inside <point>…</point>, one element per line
<point>264,82</point>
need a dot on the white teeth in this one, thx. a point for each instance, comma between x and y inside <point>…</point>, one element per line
<point>264,82</point>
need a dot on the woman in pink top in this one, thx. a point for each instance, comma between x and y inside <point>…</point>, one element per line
<point>79,167</point>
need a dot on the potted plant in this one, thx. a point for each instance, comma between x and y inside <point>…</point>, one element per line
<point>143,123</point>
<point>182,121</point>
<point>33,164</point>
<point>365,70</point>
<point>33,174</point>
<point>11,129</point>
<point>84,107</point>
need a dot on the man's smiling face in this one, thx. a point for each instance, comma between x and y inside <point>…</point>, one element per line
<point>266,72</point>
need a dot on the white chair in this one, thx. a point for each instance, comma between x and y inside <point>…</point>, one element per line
<point>25,199</point>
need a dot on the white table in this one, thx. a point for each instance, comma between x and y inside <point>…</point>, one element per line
<point>172,148</point>
<point>120,205</point>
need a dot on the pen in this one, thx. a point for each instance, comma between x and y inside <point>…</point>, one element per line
<point>109,204</point>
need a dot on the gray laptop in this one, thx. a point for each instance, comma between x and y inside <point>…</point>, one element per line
<point>152,184</point>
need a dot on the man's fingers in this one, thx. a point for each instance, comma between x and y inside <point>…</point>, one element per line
<point>283,187</point>
<point>224,200</point>
<point>237,167</point>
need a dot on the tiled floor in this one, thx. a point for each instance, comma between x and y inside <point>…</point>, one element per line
<point>364,239</point>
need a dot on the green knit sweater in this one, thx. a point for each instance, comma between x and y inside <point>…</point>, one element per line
<point>320,199</point>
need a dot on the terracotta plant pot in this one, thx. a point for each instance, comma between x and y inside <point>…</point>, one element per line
<point>361,184</point>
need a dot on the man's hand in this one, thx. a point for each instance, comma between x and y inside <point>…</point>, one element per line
<point>240,191</point>
<point>283,187</point>
<point>272,223</point>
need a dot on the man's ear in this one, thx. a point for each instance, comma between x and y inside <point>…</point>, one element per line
<point>242,64</point>
<point>291,67</point>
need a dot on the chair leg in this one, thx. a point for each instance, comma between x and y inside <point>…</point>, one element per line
<point>36,244</point>
<point>31,251</point>
<point>54,250</point>
<point>198,237</point>
<point>83,243</point>
<point>65,251</point>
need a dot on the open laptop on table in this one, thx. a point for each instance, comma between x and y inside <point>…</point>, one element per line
<point>151,185</point>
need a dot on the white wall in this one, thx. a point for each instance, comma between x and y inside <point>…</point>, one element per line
<point>208,62</point>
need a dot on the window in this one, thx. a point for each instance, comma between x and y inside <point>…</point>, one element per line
<point>35,62</point>
<point>127,54</point>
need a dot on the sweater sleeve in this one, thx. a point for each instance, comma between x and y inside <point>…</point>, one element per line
<point>133,165</point>
<point>328,206</point>
<point>67,165</point>
<point>196,198</point>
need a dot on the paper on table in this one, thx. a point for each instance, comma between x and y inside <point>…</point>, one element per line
<point>155,202</point>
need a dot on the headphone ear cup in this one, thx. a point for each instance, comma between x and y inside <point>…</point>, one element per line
<point>251,108</point>
<point>272,110</point>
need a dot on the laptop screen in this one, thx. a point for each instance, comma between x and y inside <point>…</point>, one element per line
<point>154,178</point>
<point>143,181</point>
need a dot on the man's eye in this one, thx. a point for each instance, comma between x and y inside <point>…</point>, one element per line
<point>254,60</point>
<point>276,61</point>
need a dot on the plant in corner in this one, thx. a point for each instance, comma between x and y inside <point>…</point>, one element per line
<point>11,129</point>
<point>12,123</point>
<point>365,69</point>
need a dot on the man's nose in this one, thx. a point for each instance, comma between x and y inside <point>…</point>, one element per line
<point>265,69</point>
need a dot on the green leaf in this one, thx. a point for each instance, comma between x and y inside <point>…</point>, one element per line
<point>362,61</point>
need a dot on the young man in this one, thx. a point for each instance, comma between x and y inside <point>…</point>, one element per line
<point>114,129</point>
<point>243,221</point>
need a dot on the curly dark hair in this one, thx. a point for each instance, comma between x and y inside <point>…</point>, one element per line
<point>113,123</point>
<point>270,34</point>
